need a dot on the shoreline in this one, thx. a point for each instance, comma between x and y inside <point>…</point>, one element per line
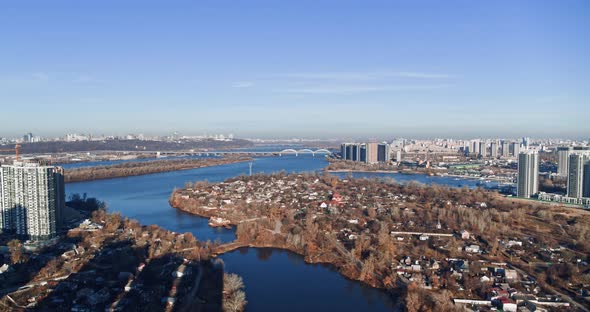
<point>347,270</point>
<point>132,169</point>
<point>416,173</point>
<point>380,171</point>
<point>264,225</point>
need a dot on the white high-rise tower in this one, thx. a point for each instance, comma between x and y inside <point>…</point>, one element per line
<point>32,199</point>
<point>528,174</point>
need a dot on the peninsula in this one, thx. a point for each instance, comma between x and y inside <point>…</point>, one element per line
<point>443,246</point>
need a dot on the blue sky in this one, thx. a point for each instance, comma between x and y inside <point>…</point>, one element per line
<point>296,68</point>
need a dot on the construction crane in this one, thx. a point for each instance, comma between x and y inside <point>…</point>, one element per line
<point>16,151</point>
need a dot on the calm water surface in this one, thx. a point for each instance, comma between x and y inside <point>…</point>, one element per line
<point>275,280</point>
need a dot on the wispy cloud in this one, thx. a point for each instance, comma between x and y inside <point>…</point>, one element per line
<point>369,75</point>
<point>349,82</point>
<point>53,77</point>
<point>41,76</point>
<point>243,84</point>
<point>424,75</point>
<point>82,78</point>
<point>361,89</point>
<point>330,76</point>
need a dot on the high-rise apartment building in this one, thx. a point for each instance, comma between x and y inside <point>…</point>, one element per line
<point>474,147</point>
<point>515,149</point>
<point>32,199</point>
<point>578,182</point>
<point>494,149</point>
<point>505,149</point>
<point>343,147</point>
<point>563,155</point>
<point>483,148</point>
<point>28,137</point>
<point>528,174</point>
<point>383,152</point>
<point>362,153</point>
<point>586,180</point>
<point>349,151</point>
<point>525,142</point>
<point>372,153</point>
<point>365,152</point>
<point>356,152</point>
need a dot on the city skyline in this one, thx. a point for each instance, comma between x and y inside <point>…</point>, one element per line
<point>303,69</point>
<point>347,155</point>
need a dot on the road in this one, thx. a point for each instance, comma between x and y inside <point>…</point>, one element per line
<point>7,291</point>
<point>566,297</point>
<point>192,296</point>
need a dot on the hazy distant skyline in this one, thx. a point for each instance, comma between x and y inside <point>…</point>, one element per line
<point>297,68</point>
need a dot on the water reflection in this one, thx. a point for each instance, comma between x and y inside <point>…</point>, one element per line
<point>263,253</point>
<point>282,281</point>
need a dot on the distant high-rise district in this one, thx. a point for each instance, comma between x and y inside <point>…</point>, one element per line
<point>573,164</point>
<point>32,199</point>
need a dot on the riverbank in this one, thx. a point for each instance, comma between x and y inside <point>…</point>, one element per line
<point>344,166</point>
<point>113,262</point>
<point>388,235</point>
<point>408,172</point>
<point>146,197</point>
<point>143,168</point>
<point>312,255</point>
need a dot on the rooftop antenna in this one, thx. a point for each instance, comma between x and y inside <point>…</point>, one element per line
<point>251,163</point>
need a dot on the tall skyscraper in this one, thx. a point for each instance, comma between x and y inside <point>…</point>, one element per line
<point>586,180</point>
<point>372,153</point>
<point>32,199</point>
<point>356,152</point>
<point>466,147</point>
<point>494,149</point>
<point>362,152</point>
<point>525,142</point>
<point>28,137</point>
<point>515,149</point>
<point>366,152</point>
<point>474,148</point>
<point>577,179</point>
<point>349,151</point>
<point>483,148</point>
<point>563,155</point>
<point>383,152</point>
<point>505,149</point>
<point>528,174</point>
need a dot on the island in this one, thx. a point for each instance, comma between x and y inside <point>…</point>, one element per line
<point>145,167</point>
<point>438,247</point>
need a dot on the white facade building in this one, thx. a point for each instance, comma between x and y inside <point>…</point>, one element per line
<point>563,154</point>
<point>528,174</point>
<point>32,199</point>
<point>578,177</point>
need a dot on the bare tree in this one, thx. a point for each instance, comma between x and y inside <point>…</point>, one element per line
<point>16,251</point>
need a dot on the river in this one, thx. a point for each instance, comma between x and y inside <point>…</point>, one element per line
<point>275,280</point>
